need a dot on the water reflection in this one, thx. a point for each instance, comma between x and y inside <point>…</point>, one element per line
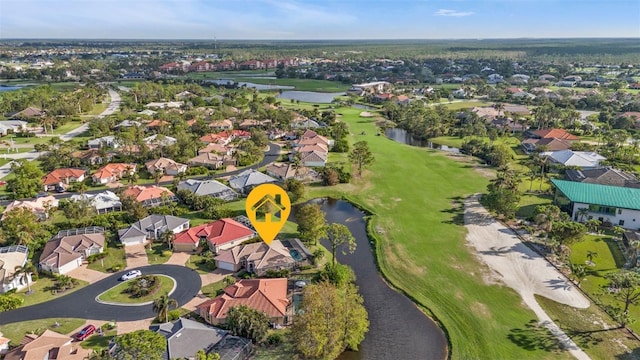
<point>405,137</point>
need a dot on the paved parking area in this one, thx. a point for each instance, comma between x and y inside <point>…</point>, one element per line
<point>136,256</point>
<point>88,275</point>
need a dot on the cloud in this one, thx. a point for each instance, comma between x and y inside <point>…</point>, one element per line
<point>455,13</point>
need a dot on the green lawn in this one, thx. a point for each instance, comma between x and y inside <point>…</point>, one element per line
<point>199,263</point>
<point>416,195</point>
<point>98,109</point>
<point>211,290</point>
<point>42,290</point>
<point>116,257</point>
<point>586,328</point>
<point>98,342</point>
<point>282,351</point>
<point>71,125</point>
<point>609,259</point>
<point>159,253</point>
<point>16,331</point>
<point>117,293</point>
<point>529,202</point>
<point>465,105</point>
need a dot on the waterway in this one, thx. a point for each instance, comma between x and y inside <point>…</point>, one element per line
<point>309,96</point>
<point>405,137</point>
<point>398,329</point>
<point>9,88</point>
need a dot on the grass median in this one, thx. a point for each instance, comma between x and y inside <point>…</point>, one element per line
<point>119,294</point>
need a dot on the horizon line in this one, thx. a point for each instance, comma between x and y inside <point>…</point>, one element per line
<point>328,39</point>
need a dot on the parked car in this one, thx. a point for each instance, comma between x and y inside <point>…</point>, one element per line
<point>131,275</point>
<point>85,332</point>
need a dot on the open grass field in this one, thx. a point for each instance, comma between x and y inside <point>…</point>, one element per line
<point>16,331</point>
<point>71,125</point>
<point>465,105</point>
<point>609,259</point>
<point>416,194</point>
<point>299,84</point>
<point>159,253</point>
<point>117,293</point>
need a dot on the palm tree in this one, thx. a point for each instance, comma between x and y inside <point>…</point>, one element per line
<point>499,107</point>
<point>27,269</point>
<point>582,213</point>
<point>162,306</point>
<point>578,272</point>
<point>592,224</point>
<point>167,238</point>
<point>157,175</point>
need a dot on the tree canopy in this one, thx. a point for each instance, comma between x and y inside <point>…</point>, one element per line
<point>361,156</point>
<point>141,344</point>
<point>27,180</point>
<point>311,222</point>
<point>247,322</point>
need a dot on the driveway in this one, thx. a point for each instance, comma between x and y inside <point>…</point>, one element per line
<point>136,256</point>
<point>88,275</point>
<point>178,258</point>
<point>82,304</point>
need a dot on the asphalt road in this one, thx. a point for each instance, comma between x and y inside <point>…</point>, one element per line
<point>82,304</point>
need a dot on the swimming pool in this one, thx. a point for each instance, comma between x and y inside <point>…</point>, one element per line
<point>295,254</point>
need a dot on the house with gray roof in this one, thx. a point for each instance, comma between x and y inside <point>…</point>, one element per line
<point>248,179</point>
<point>185,337</point>
<point>603,176</point>
<point>12,126</point>
<point>150,228</point>
<point>212,188</point>
<point>580,159</point>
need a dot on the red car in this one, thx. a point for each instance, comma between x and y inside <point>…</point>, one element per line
<point>86,332</point>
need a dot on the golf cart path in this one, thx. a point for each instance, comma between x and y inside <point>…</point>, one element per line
<point>521,268</point>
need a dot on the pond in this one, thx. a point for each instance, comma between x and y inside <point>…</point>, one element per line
<point>260,87</point>
<point>398,329</point>
<point>309,96</point>
<point>364,107</point>
<point>9,88</point>
<point>405,137</point>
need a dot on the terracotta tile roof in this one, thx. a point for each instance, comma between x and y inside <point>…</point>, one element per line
<point>265,295</point>
<point>61,175</point>
<point>143,193</point>
<point>556,133</point>
<point>113,170</point>
<point>215,148</point>
<point>210,138</point>
<point>49,345</point>
<point>156,123</point>
<point>308,134</point>
<point>164,164</point>
<point>217,232</point>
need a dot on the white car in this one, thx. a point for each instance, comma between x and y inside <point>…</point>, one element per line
<point>131,275</point>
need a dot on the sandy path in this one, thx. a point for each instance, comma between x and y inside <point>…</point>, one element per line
<point>521,268</point>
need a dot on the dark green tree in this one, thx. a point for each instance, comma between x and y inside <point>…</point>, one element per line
<point>27,180</point>
<point>361,156</point>
<point>141,344</point>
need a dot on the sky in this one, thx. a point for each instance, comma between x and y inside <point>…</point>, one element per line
<point>318,19</point>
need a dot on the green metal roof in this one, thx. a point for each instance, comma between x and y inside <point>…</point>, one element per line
<point>606,195</point>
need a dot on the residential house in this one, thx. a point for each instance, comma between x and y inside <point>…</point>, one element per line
<point>103,202</point>
<point>265,295</point>
<point>508,124</point>
<point>581,159</point>
<point>549,144</point>
<point>222,125</point>
<point>39,206</point>
<point>552,133</point>
<point>603,176</point>
<point>103,142</point>
<point>48,346</point>
<point>158,140</point>
<point>12,257</point>
<point>127,123</point>
<point>200,66</point>
<point>488,113</point>
<point>219,235</point>
<point>248,179</point>
<point>222,138</point>
<point>4,345</point>
<point>313,158</point>
<point>185,337</point>
<point>376,87</point>
<point>494,78</point>
<point>547,77</point>
<point>212,160</point>
<point>92,156</point>
<point>588,84</point>
<point>150,228</point>
<point>211,188</point>
<point>305,124</point>
<point>60,179</point>
<point>29,112</point>
<point>12,126</point>
<point>216,148</point>
<point>566,83</point>
<point>258,258</point>
<point>517,109</point>
<point>69,248</point>
<point>165,105</point>
<point>165,166</point>
<point>150,196</point>
<point>612,205</point>
<point>113,172</point>
<point>284,171</point>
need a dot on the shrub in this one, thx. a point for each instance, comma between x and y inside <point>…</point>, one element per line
<point>116,268</point>
<point>174,315</point>
<point>274,338</point>
<point>167,253</point>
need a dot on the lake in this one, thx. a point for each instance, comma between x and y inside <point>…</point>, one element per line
<point>398,329</point>
<point>260,87</point>
<point>405,137</point>
<point>9,88</point>
<point>309,96</point>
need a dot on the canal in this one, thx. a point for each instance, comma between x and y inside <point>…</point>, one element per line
<point>398,329</point>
